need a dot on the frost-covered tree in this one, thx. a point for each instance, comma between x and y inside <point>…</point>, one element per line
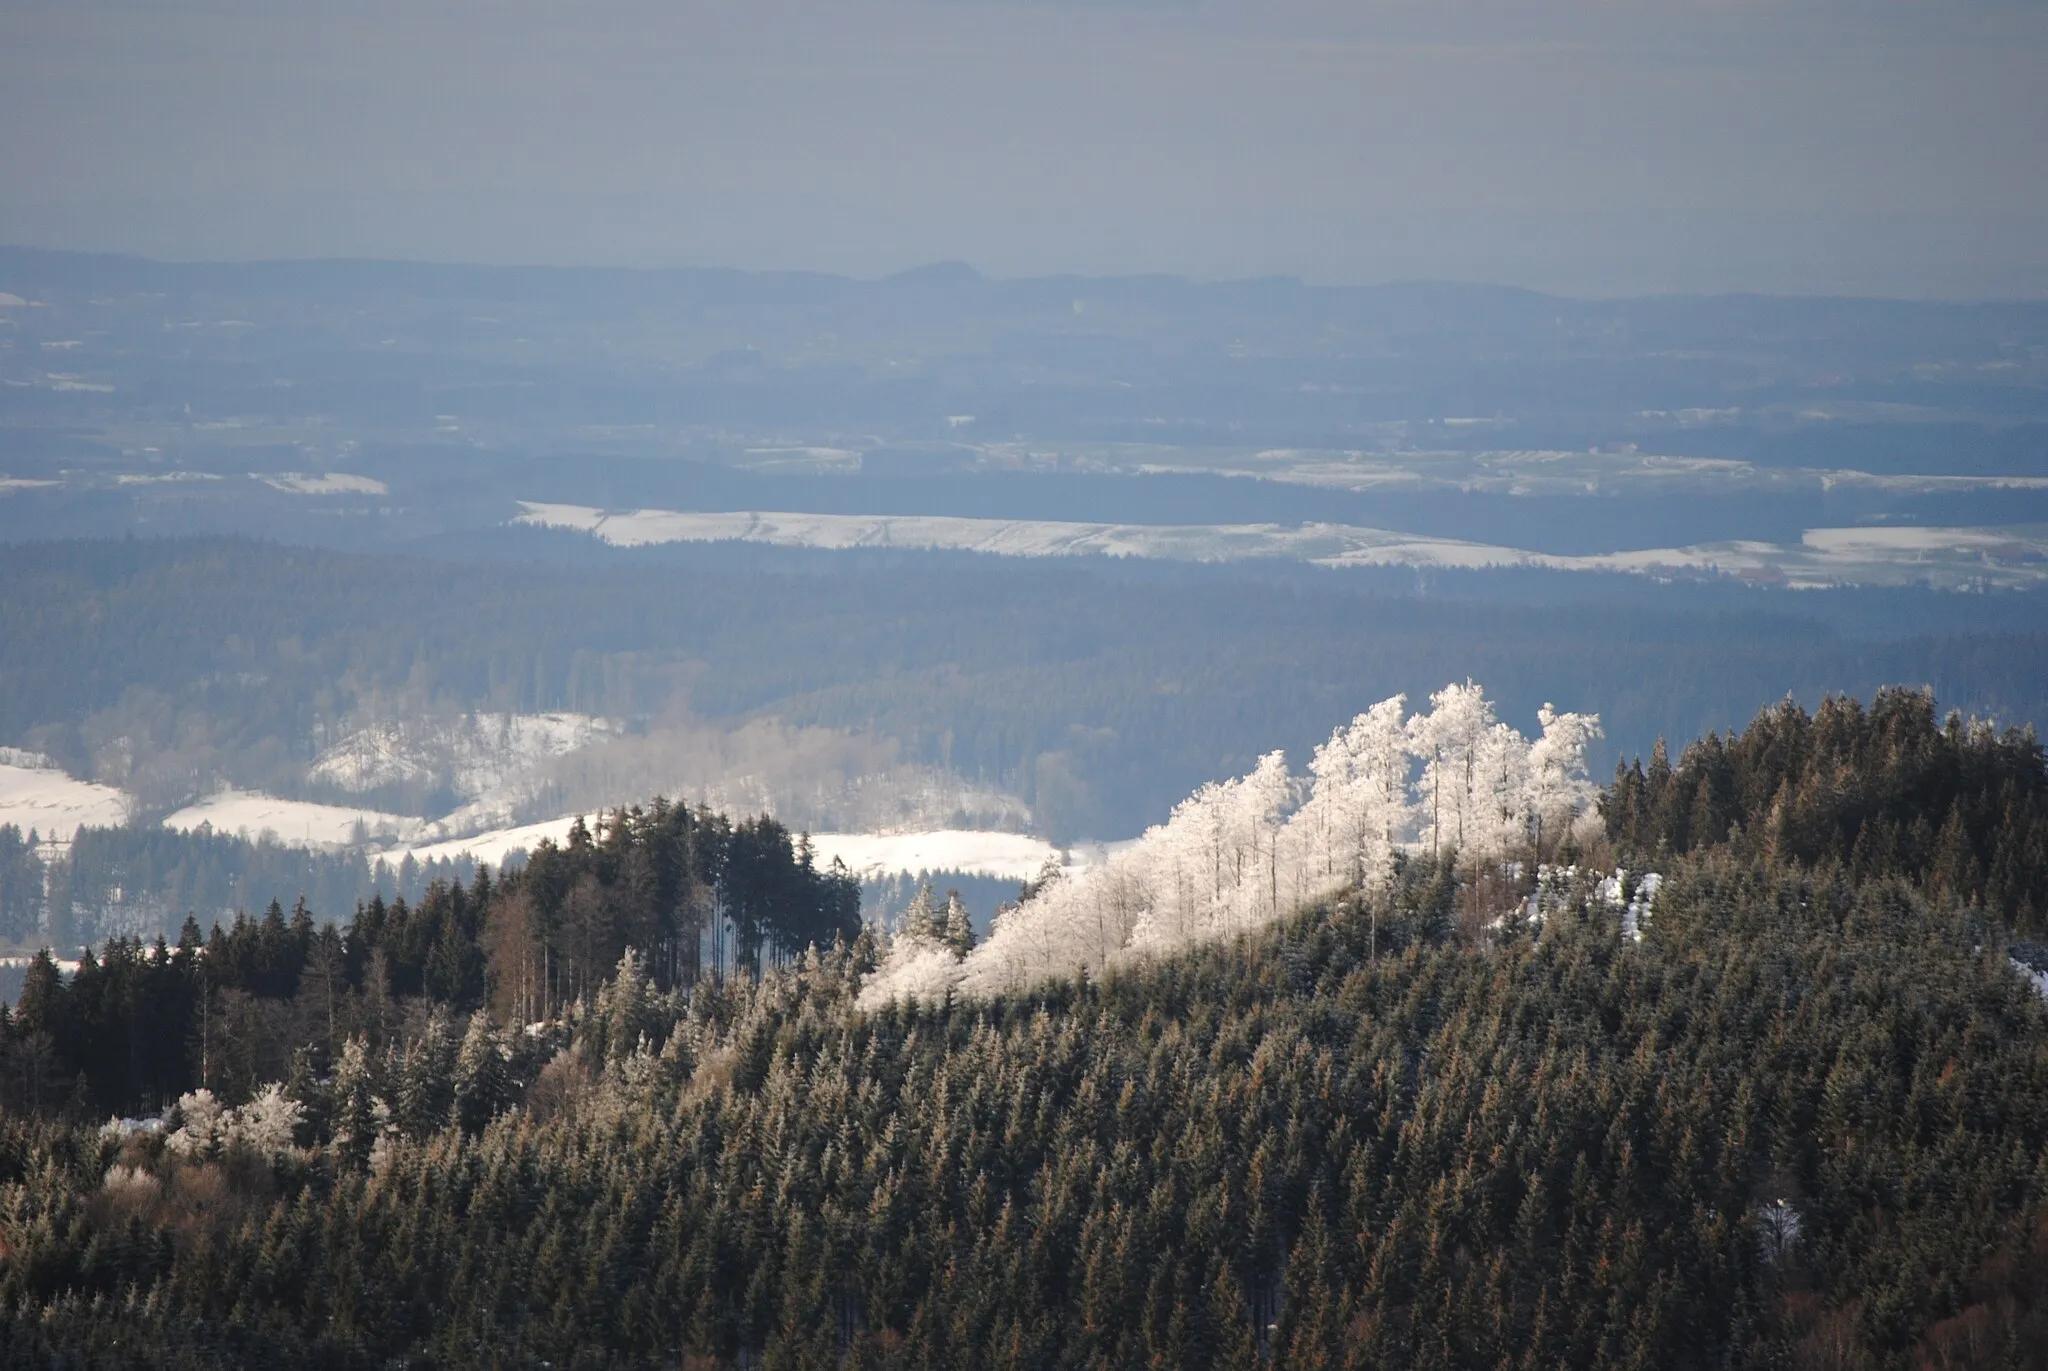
<point>202,1126</point>
<point>1501,798</point>
<point>957,925</point>
<point>1358,804</point>
<point>1265,798</point>
<point>922,923</point>
<point>924,957</point>
<point>268,1124</point>
<point>1240,853</point>
<point>1559,788</point>
<point>622,1007</point>
<point>1449,742</point>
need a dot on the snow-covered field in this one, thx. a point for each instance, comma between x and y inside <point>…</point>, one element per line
<point>1947,558</point>
<point>1006,856</point>
<point>296,822</point>
<point>1330,543</point>
<point>162,478</point>
<point>1944,557</point>
<point>324,483</point>
<point>1531,471</point>
<point>36,795</point>
<point>492,847</point>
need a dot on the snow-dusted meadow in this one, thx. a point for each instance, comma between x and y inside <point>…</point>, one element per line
<point>298,823</point>
<point>493,846</point>
<point>973,852</point>
<point>323,483</point>
<point>1241,853</point>
<point>1321,543</point>
<point>2014,557</point>
<point>36,796</point>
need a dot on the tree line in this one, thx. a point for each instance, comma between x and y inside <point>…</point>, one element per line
<point>140,880</point>
<point>137,1025</point>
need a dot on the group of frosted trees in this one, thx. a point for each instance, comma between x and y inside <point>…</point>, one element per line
<point>1243,852</point>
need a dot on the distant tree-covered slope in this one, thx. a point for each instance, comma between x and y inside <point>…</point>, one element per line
<point>1801,1120</point>
<point>1100,695</point>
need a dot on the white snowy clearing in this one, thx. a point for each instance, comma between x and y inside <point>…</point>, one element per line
<point>34,794</point>
<point>1944,557</point>
<point>492,847</point>
<point>1242,853</point>
<point>327,483</point>
<point>160,478</point>
<point>295,822</point>
<point>1023,537</point>
<point>808,460</point>
<point>1947,558</point>
<point>1524,471</point>
<point>976,852</point>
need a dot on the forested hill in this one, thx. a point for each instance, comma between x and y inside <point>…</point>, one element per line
<point>1884,791</point>
<point>1794,1112</point>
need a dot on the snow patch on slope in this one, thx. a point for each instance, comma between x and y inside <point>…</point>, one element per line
<point>34,794</point>
<point>492,847</point>
<point>975,852</point>
<point>295,822</point>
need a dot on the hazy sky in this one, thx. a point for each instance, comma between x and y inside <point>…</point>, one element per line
<point>1896,146</point>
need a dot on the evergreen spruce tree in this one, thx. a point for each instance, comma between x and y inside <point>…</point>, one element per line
<point>482,1085</point>
<point>356,1108</point>
<point>957,925</point>
<point>426,1082</point>
<point>922,924</point>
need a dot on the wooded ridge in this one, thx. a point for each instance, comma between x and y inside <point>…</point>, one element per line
<point>1797,1115</point>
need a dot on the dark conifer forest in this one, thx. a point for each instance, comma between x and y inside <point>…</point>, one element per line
<point>1791,1112</point>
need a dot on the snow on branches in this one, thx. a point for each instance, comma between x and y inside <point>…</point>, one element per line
<point>1240,853</point>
